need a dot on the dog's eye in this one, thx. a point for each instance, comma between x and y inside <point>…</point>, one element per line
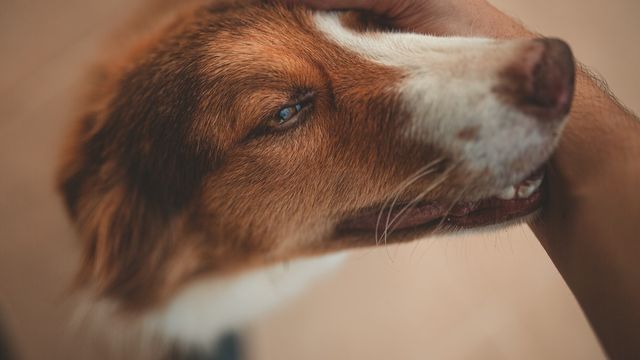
<point>290,115</point>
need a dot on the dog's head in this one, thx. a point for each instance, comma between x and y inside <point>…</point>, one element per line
<point>243,136</point>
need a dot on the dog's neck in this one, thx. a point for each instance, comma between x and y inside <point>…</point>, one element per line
<point>205,309</point>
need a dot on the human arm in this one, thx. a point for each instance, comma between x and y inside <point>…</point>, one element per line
<point>590,226</point>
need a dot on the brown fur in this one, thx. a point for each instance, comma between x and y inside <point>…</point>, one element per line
<point>170,174</point>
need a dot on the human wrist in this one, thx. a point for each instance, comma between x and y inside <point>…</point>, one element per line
<point>481,18</point>
<point>467,18</point>
<point>590,223</point>
<point>601,142</point>
<point>593,174</point>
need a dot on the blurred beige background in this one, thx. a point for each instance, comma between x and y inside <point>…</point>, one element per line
<point>495,296</point>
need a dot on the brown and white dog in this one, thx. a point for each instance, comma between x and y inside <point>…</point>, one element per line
<point>239,136</point>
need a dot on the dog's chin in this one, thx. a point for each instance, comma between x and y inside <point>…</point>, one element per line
<point>515,204</point>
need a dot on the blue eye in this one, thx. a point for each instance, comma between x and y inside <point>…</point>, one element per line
<point>288,114</point>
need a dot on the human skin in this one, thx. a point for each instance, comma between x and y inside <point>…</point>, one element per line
<point>590,224</point>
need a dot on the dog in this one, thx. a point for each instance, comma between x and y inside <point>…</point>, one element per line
<point>238,149</point>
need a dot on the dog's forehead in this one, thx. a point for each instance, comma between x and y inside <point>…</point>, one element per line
<point>276,34</point>
<point>258,58</point>
<point>286,47</point>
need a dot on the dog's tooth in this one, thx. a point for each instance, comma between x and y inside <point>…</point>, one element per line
<point>507,194</point>
<point>529,187</point>
<point>524,191</point>
<point>536,183</point>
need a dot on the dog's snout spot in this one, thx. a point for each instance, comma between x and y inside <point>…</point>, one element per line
<point>469,133</point>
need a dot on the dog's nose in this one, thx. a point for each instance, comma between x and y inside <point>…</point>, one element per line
<point>541,81</point>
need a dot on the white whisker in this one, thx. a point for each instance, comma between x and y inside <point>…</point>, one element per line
<point>390,228</point>
<point>400,188</point>
<point>397,196</point>
<point>453,203</point>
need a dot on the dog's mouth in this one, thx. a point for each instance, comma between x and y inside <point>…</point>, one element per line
<point>514,202</point>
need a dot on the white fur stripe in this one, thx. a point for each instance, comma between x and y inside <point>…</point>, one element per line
<point>448,89</point>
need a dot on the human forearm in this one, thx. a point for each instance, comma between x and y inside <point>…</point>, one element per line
<point>591,227</point>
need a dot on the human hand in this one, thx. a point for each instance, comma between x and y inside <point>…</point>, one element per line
<point>589,225</point>
<point>437,17</point>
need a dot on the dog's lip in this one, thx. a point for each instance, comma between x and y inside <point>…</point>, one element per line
<point>435,215</point>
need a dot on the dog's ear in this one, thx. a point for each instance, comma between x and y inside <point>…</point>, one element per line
<point>125,240</point>
<point>131,170</point>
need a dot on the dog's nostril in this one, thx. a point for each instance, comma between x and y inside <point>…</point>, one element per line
<point>541,83</point>
<point>553,77</point>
